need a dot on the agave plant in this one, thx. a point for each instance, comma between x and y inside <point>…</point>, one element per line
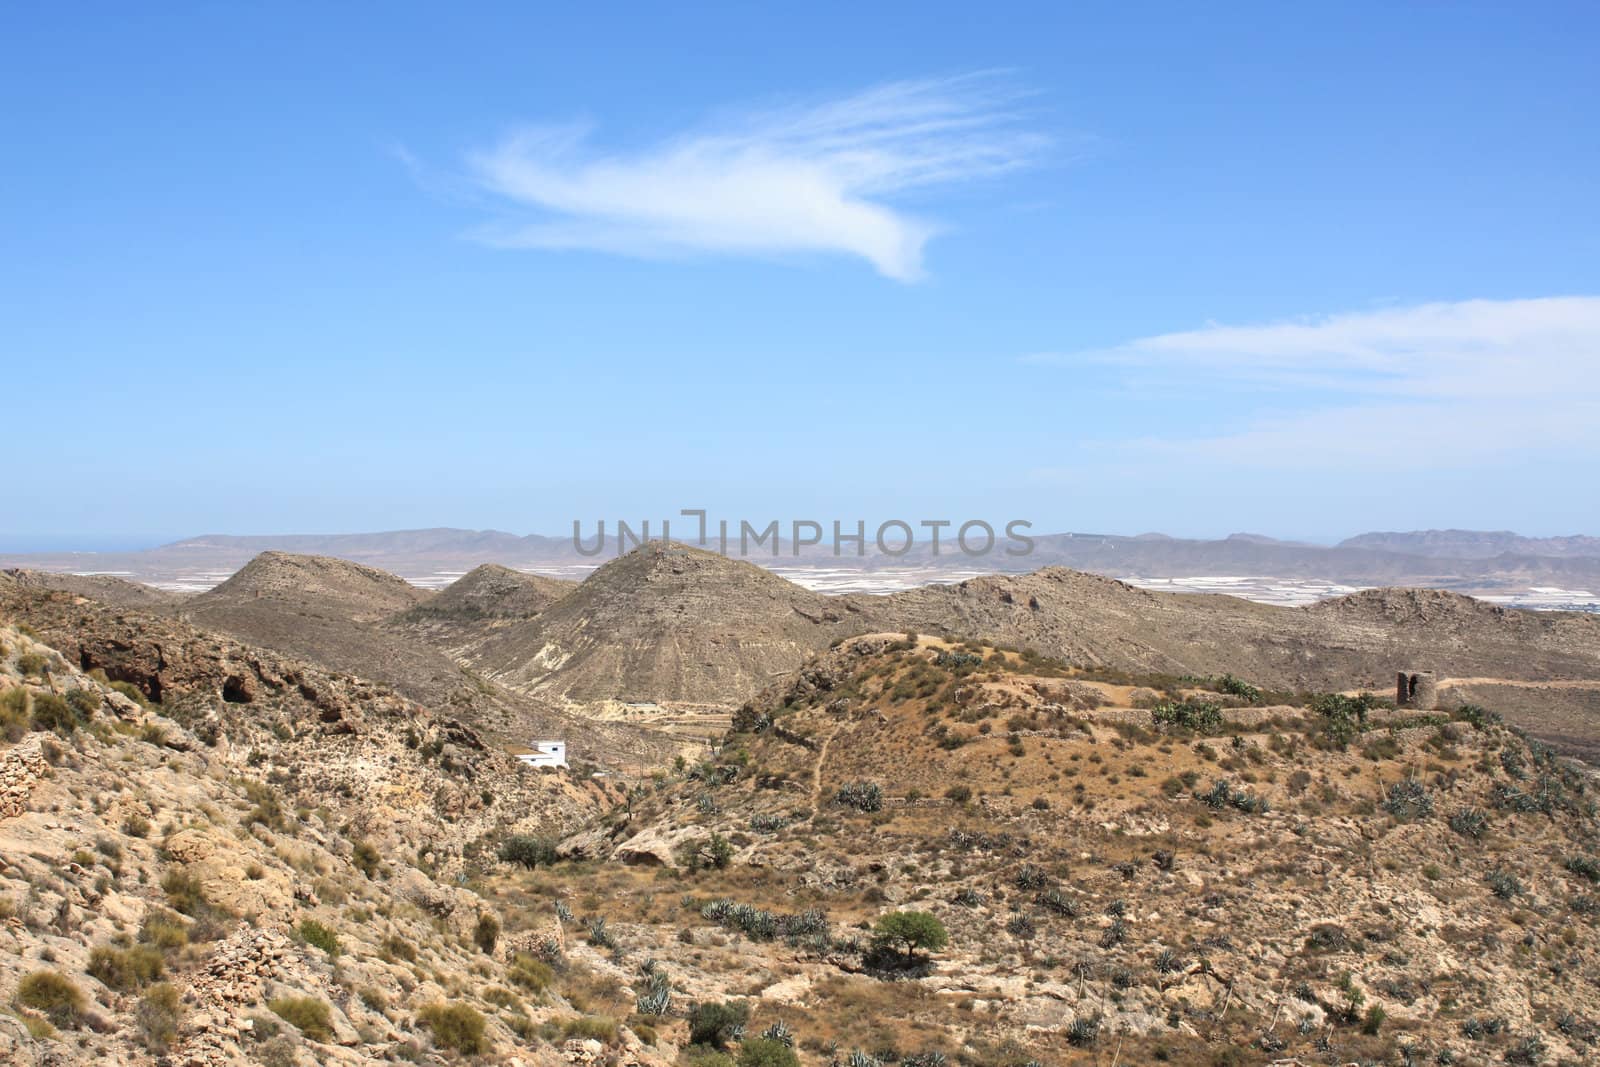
<point>599,935</point>
<point>657,1000</point>
<point>1469,822</point>
<point>779,1031</point>
<point>1059,903</point>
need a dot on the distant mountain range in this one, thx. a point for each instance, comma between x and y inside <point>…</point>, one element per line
<point>1467,561</point>
<point>1476,544</point>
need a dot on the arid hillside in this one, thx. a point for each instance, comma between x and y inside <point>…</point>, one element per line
<point>272,874</point>
<point>331,612</point>
<point>667,622</point>
<point>486,599</point>
<point>1116,869</point>
<point>311,585</point>
<point>162,655</point>
<point>1342,643</point>
<point>108,589</point>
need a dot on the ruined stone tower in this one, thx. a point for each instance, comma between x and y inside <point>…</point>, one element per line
<point>1418,690</point>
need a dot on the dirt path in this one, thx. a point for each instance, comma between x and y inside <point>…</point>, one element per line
<point>816,772</point>
<point>1522,684</point>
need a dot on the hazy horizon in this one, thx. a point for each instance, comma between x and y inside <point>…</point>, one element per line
<point>120,543</point>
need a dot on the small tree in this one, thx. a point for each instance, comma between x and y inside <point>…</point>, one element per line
<point>527,851</point>
<point>716,1024</point>
<point>909,931</point>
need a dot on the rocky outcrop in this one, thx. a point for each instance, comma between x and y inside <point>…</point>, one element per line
<point>22,766</point>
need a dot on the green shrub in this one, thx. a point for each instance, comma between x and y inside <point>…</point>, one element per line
<point>500,996</point>
<point>1196,716</point>
<point>1584,867</point>
<point>531,974</point>
<point>601,1028</point>
<point>1343,717</point>
<point>908,931</point>
<point>53,995</point>
<point>527,851</point>
<point>321,936</point>
<point>158,1018</point>
<point>307,1014</point>
<point>84,702</point>
<point>716,1024</point>
<point>717,853</point>
<point>766,1052</point>
<point>164,930</point>
<point>705,1056</point>
<point>124,969</point>
<point>1239,688</point>
<point>366,858</point>
<point>14,718</point>
<point>31,663</point>
<point>267,809</point>
<point>486,933</point>
<point>184,892</point>
<point>400,948</point>
<point>51,712</point>
<point>455,1026</point>
<point>862,796</point>
<point>959,793</point>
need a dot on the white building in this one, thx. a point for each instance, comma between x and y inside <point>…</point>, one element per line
<point>546,754</point>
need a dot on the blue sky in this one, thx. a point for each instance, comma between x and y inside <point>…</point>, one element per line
<point>1298,269</point>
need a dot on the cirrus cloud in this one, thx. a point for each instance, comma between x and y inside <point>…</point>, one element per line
<point>1438,385</point>
<point>814,178</point>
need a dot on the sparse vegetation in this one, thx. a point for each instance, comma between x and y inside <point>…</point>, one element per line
<point>53,995</point>
<point>455,1026</point>
<point>307,1014</point>
<point>320,936</point>
<point>526,851</point>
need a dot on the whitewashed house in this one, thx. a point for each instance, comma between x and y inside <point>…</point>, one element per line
<point>546,754</point>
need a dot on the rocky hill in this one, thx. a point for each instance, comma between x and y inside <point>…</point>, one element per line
<point>106,588</point>
<point>161,655</point>
<point>267,867</point>
<point>315,586</point>
<point>487,598</point>
<point>217,852</point>
<point>1355,640</point>
<point>336,614</point>
<point>495,592</point>
<point>1127,870</point>
<point>667,622</point>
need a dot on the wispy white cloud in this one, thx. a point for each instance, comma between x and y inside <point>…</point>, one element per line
<point>818,177</point>
<point>1431,385</point>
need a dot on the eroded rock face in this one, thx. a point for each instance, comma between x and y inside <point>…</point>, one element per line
<point>266,884</point>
